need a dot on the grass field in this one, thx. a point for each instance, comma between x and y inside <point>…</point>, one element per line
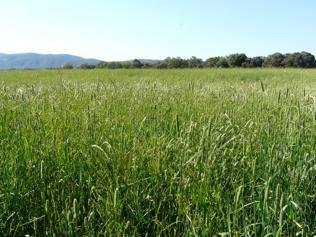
<point>158,153</point>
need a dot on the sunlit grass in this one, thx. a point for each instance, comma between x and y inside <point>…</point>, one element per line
<point>158,152</point>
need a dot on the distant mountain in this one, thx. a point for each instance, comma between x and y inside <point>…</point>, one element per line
<point>37,61</point>
<point>150,61</point>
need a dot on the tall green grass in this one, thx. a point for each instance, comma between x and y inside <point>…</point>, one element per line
<point>158,153</point>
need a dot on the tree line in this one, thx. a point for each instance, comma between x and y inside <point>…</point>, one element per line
<point>276,60</point>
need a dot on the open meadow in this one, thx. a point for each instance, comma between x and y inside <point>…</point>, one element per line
<point>205,152</point>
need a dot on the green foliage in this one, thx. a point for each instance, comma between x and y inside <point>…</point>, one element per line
<point>195,62</point>
<point>114,65</point>
<point>253,62</point>
<point>222,63</point>
<point>161,65</point>
<point>87,66</point>
<point>295,60</point>
<point>274,60</point>
<point>68,66</point>
<point>158,153</point>
<point>219,62</point>
<point>308,60</point>
<point>176,62</point>
<point>102,65</point>
<point>127,65</point>
<point>236,60</point>
<point>302,60</point>
<point>212,62</point>
<point>137,64</point>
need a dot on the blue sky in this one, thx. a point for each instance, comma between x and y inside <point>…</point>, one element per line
<point>122,29</point>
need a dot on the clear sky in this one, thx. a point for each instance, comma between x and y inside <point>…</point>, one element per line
<point>155,29</point>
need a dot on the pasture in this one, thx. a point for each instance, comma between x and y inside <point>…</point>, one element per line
<point>209,152</point>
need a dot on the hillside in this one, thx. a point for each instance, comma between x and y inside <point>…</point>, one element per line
<point>38,61</point>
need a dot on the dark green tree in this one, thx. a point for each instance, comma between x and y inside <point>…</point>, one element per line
<point>274,60</point>
<point>147,65</point>
<point>253,62</point>
<point>176,62</point>
<point>195,62</point>
<point>222,63</point>
<point>68,66</point>
<point>212,62</point>
<point>309,60</point>
<point>102,65</point>
<point>161,65</point>
<point>299,60</point>
<point>237,60</point>
<point>137,64</point>
<point>115,65</point>
<point>87,66</point>
<point>126,64</point>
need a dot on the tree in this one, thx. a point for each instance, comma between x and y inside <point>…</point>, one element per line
<point>176,62</point>
<point>195,62</point>
<point>114,65</point>
<point>68,66</point>
<point>161,65</point>
<point>253,62</point>
<point>297,60</point>
<point>222,62</point>
<point>87,66</point>
<point>147,65</point>
<point>212,62</point>
<point>237,60</point>
<point>274,60</point>
<point>102,65</point>
<point>309,60</point>
<point>137,64</point>
<point>293,60</point>
<point>126,64</point>
<point>256,61</point>
<point>303,60</point>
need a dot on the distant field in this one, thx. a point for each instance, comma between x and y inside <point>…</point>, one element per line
<point>158,152</point>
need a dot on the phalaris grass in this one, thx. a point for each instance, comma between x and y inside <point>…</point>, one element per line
<point>158,153</point>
